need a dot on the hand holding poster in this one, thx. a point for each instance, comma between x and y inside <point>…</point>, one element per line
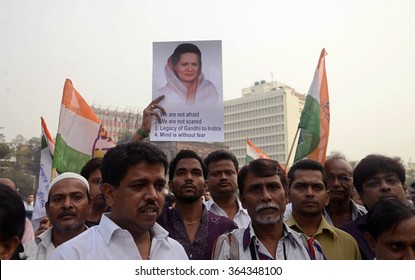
<point>193,98</point>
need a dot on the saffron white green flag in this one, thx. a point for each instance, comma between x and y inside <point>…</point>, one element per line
<point>45,172</point>
<point>315,117</point>
<point>81,135</point>
<point>253,152</point>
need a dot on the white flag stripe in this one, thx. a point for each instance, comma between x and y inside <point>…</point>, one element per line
<point>82,143</point>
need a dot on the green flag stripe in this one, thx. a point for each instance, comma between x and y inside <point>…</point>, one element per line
<point>67,159</point>
<point>310,128</point>
<point>310,116</point>
<point>44,142</point>
<point>248,159</point>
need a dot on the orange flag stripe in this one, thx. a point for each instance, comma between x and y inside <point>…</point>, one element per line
<point>79,105</point>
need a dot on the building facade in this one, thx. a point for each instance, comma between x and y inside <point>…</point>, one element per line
<point>268,114</point>
<point>120,124</point>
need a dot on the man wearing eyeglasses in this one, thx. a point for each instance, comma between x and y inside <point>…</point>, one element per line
<point>341,209</point>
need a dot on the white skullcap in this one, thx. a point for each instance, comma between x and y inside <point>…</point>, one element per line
<point>68,175</point>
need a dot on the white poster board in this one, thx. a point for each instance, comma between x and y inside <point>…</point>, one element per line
<point>193,98</point>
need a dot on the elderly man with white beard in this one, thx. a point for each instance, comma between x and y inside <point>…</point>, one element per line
<point>262,188</point>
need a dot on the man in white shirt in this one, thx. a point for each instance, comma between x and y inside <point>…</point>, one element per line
<point>222,184</point>
<point>67,208</point>
<point>263,190</point>
<point>134,176</point>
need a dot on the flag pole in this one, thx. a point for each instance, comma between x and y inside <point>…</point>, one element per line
<point>292,146</point>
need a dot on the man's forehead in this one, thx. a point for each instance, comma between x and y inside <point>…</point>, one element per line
<point>67,186</point>
<point>190,163</point>
<point>254,179</point>
<point>224,164</point>
<point>307,174</point>
<point>338,165</point>
<point>382,174</point>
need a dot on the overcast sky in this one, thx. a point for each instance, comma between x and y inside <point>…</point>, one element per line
<point>105,48</point>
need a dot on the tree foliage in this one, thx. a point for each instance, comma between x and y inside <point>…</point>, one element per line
<point>21,162</point>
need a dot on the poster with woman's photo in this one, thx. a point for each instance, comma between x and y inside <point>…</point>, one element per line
<point>189,75</point>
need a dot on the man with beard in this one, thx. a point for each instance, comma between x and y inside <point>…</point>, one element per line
<point>375,177</point>
<point>341,209</point>
<point>92,173</point>
<point>67,207</point>
<point>309,195</point>
<point>262,188</point>
<point>133,177</point>
<point>189,222</point>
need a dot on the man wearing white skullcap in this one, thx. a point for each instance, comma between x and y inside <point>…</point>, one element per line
<point>67,208</point>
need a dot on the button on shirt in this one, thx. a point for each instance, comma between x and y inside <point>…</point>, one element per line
<point>290,246</point>
<point>108,241</point>
<point>241,218</point>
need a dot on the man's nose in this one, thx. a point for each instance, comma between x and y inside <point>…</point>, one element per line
<point>67,202</point>
<point>266,195</point>
<point>384,186</point>
<point>409,254</point>
<point>309,191</point>
<point>151,192</point>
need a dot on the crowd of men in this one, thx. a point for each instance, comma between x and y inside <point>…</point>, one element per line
<point>116,209</point>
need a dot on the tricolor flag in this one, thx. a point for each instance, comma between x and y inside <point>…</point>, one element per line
<point>253,152</point>
<point>81,135</point>
<point>315,117</point>
<point>45,172</point>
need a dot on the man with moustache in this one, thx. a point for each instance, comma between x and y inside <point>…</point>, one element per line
<point>309,195</point>
<point>375,177</point>
<point>262,188</point>
<point>67,208</point>
<point>133,177</point>
<point>189,222</point>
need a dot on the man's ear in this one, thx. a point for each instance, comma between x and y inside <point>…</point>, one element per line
<point>242,199</point>
<point>108,193</point>
<point>170,187</point>
<point>327,198</point>
<point>371,241</point>
<point>9,247</point>
<point>47,208</point>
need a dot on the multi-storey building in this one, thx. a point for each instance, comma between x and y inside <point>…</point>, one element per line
<point>267,114</point>
<point>119,123</point>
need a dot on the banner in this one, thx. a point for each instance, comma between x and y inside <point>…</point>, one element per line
<point>45,171</point>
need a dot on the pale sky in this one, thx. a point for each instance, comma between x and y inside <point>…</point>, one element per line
<point>105,48</point>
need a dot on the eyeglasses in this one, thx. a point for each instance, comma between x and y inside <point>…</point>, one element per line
<point>343,179</point>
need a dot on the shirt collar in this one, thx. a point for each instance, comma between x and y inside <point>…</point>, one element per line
<point>108,228</point>
<point>323,226</point>
<point>249,235</point>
